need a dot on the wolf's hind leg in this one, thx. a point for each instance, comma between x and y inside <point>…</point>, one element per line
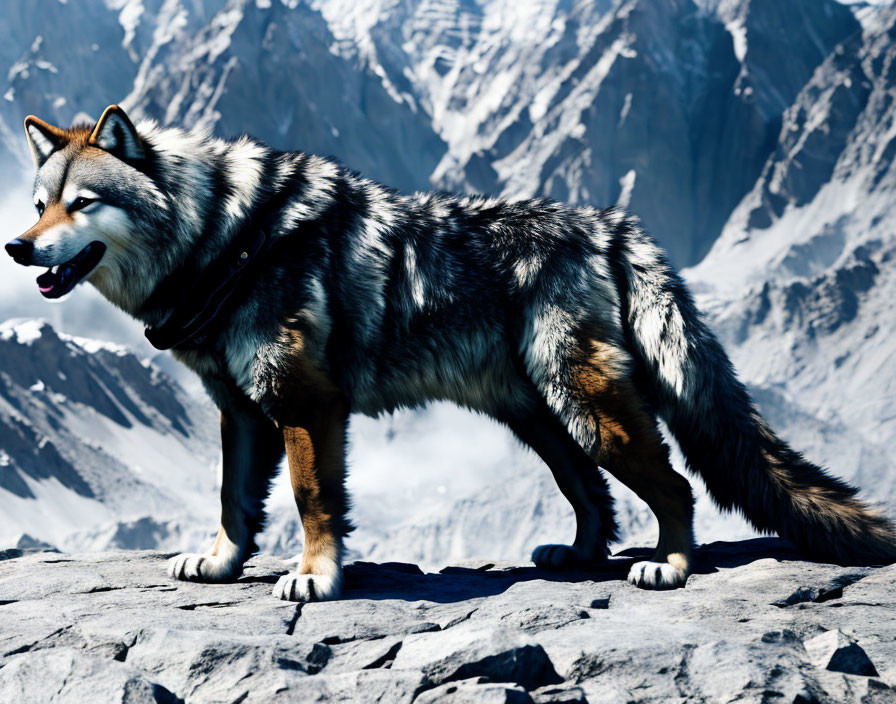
<point>252,448</point>
<point>633,451</point>
<point>626,442</point>
<point>581,482</point>
<point>645,469</point>
<point>316,454</point>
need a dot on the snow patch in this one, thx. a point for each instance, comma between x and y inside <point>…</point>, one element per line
<point>738,31</point>
<point>24,331</point>
<point>627,183</point>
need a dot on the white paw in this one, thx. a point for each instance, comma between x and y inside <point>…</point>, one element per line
<point>555,557</point>
<point>193,567</point>
<point>308,587</point>
<point>656,575</point>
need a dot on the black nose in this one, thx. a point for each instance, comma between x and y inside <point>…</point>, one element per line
<point>20,250</point>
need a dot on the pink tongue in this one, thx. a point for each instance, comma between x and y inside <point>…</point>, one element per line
<point>45,289</point>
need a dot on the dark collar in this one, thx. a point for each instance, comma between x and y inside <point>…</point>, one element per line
<point>199,305</point>
<point>198,299</point>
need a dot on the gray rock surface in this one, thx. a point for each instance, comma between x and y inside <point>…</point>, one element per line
<point>837,652</point>
<point>112,625</point>
<point>84,676</point>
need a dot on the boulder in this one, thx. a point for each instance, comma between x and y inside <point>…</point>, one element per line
<point>837,652</point>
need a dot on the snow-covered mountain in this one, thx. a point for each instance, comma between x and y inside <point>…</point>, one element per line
<point>756,138</point>
<point>804,268</point>
<point>267,68</point>
<point>670,107</point>
<point>91,438</point>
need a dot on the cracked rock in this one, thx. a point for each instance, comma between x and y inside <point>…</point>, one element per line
<point>820,593</point>
<point>508,634</point>
<point>69,675</point>
<point>559,694</point>
<point>837,652</point>
<point>475,691</point>
<point>501,654</point>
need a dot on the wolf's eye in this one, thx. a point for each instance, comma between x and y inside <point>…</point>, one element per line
<point>79,203</point>
<point>40,207</point>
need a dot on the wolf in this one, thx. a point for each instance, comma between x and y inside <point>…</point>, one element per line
<point>301,292</point>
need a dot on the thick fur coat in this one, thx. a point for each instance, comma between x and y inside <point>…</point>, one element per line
<point>566,324</point>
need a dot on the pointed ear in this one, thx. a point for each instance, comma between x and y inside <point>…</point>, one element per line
<point>44,139</point>
<point>116,134</point>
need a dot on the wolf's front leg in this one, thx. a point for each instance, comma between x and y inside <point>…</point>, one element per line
<point>316,454</point>
<point>252,448</point>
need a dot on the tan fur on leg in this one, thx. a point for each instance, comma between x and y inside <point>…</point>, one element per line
<point>317,471</point>
<point>631,448</point>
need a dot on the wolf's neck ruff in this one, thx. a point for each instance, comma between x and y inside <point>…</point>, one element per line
<point>197,300</point>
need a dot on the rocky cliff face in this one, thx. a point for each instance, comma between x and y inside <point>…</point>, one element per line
<point>267,68</point>
<point>235,67</point>
<point>671,107</point>
<point>804,267</point>
<point>754,625</point>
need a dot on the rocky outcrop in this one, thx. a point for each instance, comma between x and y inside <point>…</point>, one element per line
<point>267,68</point>
<point>802,277</point>
<point>238,66</point>
<point>754,624</point>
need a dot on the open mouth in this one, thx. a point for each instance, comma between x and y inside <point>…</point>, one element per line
<point>59,280</point>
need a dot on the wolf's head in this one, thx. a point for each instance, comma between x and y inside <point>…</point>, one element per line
<point>100,209</point>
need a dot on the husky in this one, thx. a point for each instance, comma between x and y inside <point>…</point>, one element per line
<point>301,292</point>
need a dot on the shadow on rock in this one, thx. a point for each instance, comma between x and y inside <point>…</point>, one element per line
<point>709,558</point>
<point>397,580</point>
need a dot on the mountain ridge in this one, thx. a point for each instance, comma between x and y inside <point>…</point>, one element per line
<point>89,433</point>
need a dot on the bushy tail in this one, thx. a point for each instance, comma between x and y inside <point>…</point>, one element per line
<point>745,465</point>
